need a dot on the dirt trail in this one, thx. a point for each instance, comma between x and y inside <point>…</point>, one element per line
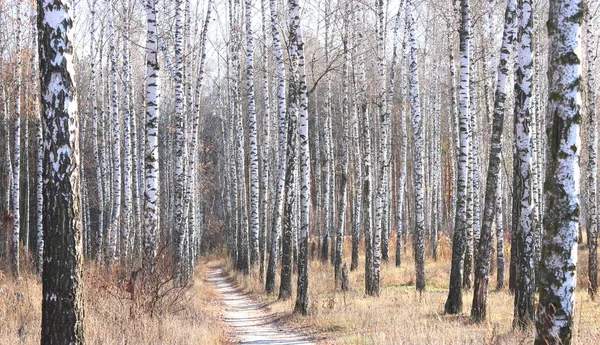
<point>249,322</point>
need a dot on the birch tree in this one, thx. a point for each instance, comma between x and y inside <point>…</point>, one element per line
<point>179,147</point>
<point>128,154</point>
<point>554,322</point>
<point>419,234</point>
<point>302,299</point>
<point>341,225</point>
<point>592,139</point>
<point>524,289</point>
<point>16,187</point>
<point>151,162</point>
<point>367,190</point>
<point>404,142</point>
<point>62,302</point>
<point>454,302</point>
<point>116,144</point>
<point>285,288</point>
<point>266,140</point>
<point>282,155</point>
<point>95,133</point>
<point>479,306</point>
<point>254,186</point>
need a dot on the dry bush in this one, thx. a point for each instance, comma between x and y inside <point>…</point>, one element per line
<point>111,315</point>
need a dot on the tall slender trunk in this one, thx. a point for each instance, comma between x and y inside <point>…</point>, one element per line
<point>253,138</point>
<point>493,198</point>
<point>592,154</point>
<point>403,153</point>
<point>357,225</point>
<point>266,142</point>
<point>367,189</point>
<point>341,221</point>
<point>392,87</point>
<point>128,158</point>
<point>6,202</point>
<point>305,188</point>
<point>499,238</point>
<point>116,144</point>
<point>329,186</point>
<point>179,148</point>
<point>524,289</point>
<point>419,234</point>
<point>151,159</point>
<point>16,188</point>
<point>285,289</point>
<point>281,163</point>
<point>454,303</point>
<point>95,134</point>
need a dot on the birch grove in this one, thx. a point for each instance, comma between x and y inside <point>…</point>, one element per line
<point>329,151</point>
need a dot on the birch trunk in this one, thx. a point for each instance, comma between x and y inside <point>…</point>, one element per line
<point>341,221</point>
<point>266,141</point>
<point>116,144</point>
<point>62,303</point>
<point>281,162</point>
<point>592,154</point>
<point>179,148</point>
<point>524,289</point>
<point>128,159</point>
<point>366,158</point>
<point>95,135</point>
<point>254,185</point>
<point>357,225</point>
<point>403,153</point>
<point>493,199</point>
<point>499,238</point>
<point>40,192</point>
<point>419,234</point>
<point>302,299</point>
<point>454,303</point>
<point>554,324</point>
<point>16,188</point>
<point>329,186</point>
<point>285,289</point>
<point>151,161</point>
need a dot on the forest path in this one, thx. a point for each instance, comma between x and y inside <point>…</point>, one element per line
<point>249,322</point>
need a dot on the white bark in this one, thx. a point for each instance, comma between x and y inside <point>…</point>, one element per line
<point>281,161</point>
<point>266,141</point>
<point>454,302</point>
<point>128,159</point>
<point>151,163</point>
<point>305,188</point>
<point>557,283</point>
<point>16,190</point>
<point>253,138</point>
<point>592,144</point>
<point>179,148</point>
<point>116,144</point>
<point>419,233</point>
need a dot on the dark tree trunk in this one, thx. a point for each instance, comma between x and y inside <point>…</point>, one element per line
<point>62,303</point>
<point>482,269</point>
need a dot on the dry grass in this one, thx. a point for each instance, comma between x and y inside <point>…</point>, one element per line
<point>108,314</point>
<point>402,316</point>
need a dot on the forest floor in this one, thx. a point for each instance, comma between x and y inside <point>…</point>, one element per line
<point>247,320</point>
<point>403,316</point>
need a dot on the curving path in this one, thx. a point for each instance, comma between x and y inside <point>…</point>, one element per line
<point>249,322</point>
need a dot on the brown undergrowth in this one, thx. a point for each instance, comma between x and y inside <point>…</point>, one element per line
<point>402,316</point>
<point>182,316</point>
